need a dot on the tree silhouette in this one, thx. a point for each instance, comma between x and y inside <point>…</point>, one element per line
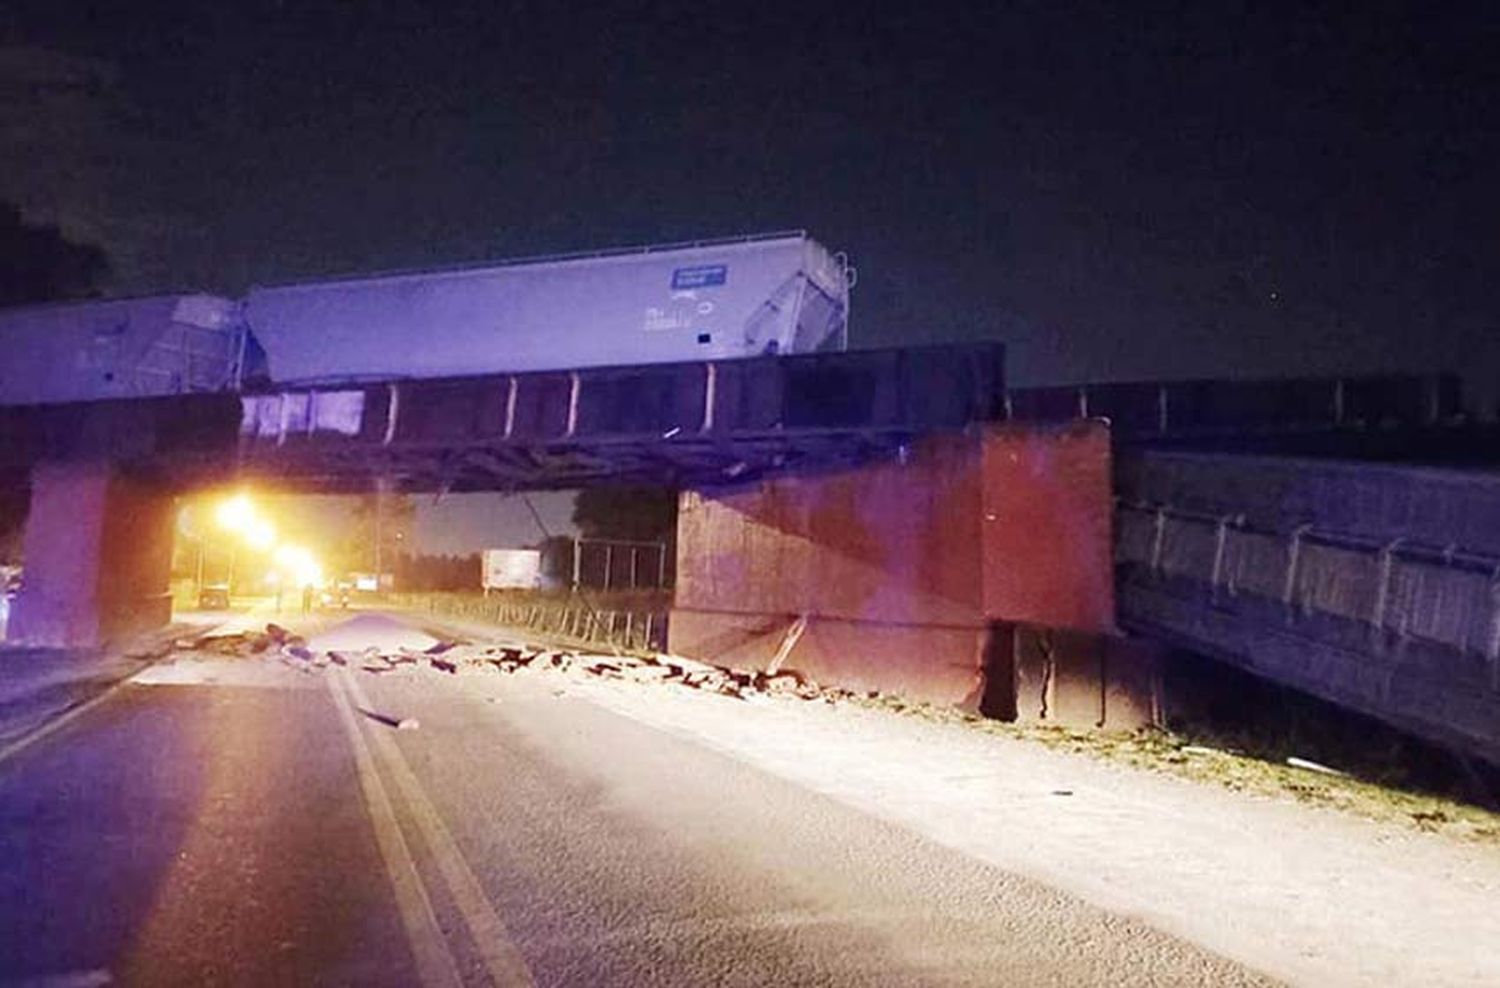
<point>398,514</point>
<point>644,514</point>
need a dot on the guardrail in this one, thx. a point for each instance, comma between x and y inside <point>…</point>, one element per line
<point>1399,590</point>
<point>1375,586</point>
<point>1146,410</point>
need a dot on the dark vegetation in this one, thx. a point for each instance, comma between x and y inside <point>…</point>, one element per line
<point>1216,704</point>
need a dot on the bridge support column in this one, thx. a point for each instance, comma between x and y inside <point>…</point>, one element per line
<point>97,553</point>
<point>907,577</point>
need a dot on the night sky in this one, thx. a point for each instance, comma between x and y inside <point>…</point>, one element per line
<point>1203,189</point>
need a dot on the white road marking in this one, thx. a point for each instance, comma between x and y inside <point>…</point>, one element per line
<point>501,958</point>
<point>435,965</point>
<point>62,720</point>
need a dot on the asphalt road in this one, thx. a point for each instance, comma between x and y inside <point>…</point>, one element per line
<point>279,829</point>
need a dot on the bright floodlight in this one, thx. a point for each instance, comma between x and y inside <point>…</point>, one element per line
<point>300,565</point>
<point>236,514</point>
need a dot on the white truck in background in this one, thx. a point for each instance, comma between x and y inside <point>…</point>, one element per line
<point>511,569</point>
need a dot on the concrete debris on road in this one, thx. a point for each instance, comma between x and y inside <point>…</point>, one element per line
<point>340,647</point>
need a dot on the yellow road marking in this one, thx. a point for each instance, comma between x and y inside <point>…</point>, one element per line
<point>502,960</point>
<point>435,965</point>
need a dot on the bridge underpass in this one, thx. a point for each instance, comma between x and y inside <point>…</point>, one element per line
<point>878,505</point>
<point>863,517</point>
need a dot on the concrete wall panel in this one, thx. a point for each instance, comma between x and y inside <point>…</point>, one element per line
<point>98,550</point>
<point>59,601</point>
<point>1084,681</point>
<point>890,542</point>
<point>939,664</point>
<point>1048,556</point>
<point>905,568</point>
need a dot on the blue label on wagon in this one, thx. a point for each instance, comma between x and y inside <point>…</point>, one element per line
<point>702,276</point>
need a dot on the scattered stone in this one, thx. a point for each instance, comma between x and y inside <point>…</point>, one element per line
<point>602,668</point>
<point>782,682</point>
<point>650,673</point>
<point>408,724</point>
<point>345,646</point>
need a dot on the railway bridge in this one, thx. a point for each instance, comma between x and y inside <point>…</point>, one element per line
<point>888,519</point>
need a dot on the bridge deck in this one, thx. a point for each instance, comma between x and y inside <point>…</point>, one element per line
<point>674,424</point>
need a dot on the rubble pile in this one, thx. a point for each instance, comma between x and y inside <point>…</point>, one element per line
<point>661,668</point>
<point>455,657</point>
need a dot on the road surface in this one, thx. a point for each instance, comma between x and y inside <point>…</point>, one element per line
<point>247,823</point>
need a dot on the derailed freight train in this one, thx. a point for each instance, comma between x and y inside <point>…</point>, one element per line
<point>120,348</point>
<point>748,297</point>
<point>713,300</point>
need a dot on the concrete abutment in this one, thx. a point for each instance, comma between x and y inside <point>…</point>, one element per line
<point>975,572</point>
<point>97,549</point>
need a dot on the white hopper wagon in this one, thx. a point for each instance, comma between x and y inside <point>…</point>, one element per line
<point>119,348</point>
<point>777,293</point>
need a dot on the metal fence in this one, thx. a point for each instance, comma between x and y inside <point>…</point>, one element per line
<point>619,564</point>
<point>638,624</point>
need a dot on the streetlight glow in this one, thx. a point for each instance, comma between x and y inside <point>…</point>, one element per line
<point>235,514</point>
<point>300,565</point>
<point>260,534</point>
<point>292,565</point>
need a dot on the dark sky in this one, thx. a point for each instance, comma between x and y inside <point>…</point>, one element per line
<point>1199,189</point>
<point>1119,190</point>
<point>1193,189</point>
